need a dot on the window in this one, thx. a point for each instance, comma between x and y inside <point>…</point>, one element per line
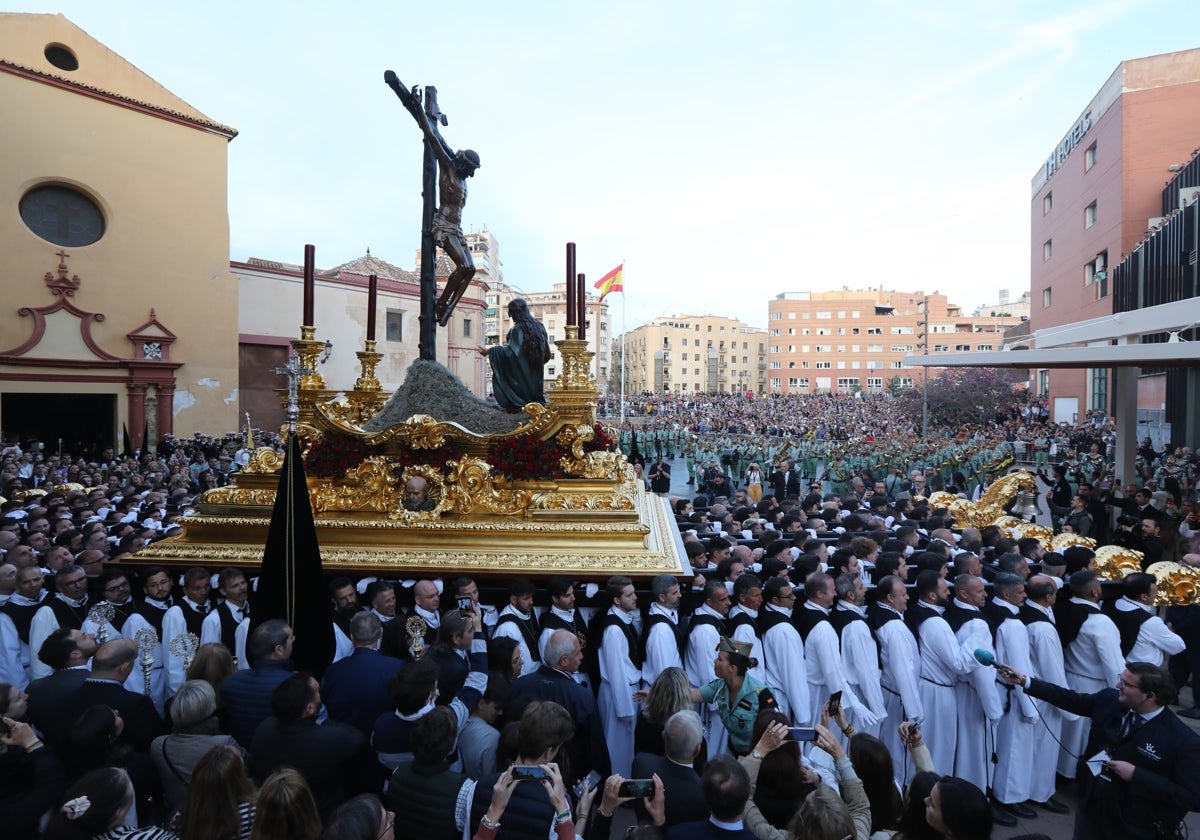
<point>395,325</point>
<point>825,316</point>
<point>854,348</point>
<point>1046,297</point>
<point>902,381</point>
<point>791,330</point>
<point>776,382</point>
<point>1047,203</point>
<point>874,364</point>
<point>855,365</point>
<point>902,348</point>
<point>775,331</point>
<point>802,382</point>
<point>941,348</point>
<point>793,381</point>
<point>1047,250</point>
<point>776,316</point>
<point>823,365</point>
<point>776,365</point>
<point>804,348</point>
<point>874,330</point>
<point>466,327</point>
<point>962,348</point>
<point>902,330</point>
<point>804,365</point>
<point>875,348</point>
<point>1089,215</point>
<point>1043,383</point>
<point>62,215</point>
<point>897,365</point>
<point>791,364</point>
<point>775,348</point>
<point>874,382</point>
<point>847,382</point>
<point>841,348</point>
<point>841,365</point>
<point>1089,157</point>
<point>1099,388</point>
<point>685,342</point>
<point>983,348</point>
<point>824,348</point>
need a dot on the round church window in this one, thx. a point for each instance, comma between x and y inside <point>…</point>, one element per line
<point>62,215</point>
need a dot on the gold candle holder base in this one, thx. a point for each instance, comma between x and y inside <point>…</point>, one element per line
<point>308,349</point>
<point>367,360</point>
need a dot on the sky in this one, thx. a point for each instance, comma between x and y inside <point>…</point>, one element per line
<point>724,152</point>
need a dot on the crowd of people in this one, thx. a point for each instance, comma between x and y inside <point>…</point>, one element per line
<point>825,670</point>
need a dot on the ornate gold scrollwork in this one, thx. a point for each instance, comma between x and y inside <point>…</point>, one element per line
<point>472,485</point>
<point>263,460</point>
<point>369,486</point>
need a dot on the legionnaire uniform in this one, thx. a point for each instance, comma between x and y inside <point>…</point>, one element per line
<point>738,713</point>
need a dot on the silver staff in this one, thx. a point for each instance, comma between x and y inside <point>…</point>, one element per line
<point>102,615</point>
<point>185,645</point>
<point>147,641</point>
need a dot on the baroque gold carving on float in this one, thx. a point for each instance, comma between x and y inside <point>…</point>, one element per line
<point>263,460</point>
<point>473,485</point>
<point>370,486</point>
<point>1178,583</point>
<point>237,496</point>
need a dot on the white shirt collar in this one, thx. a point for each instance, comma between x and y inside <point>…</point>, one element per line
<point>1138,604</point>
<point>848,607</point>
<point>431,618</point>
<point>1046,611</point>
<point>934,607</point>
<point>808,605</point>
<point>783,610</point>
<point>963,605</point>
<point>1012,608</point>
<point>566,615</point>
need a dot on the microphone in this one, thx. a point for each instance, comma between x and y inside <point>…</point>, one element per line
<point>986,657</point>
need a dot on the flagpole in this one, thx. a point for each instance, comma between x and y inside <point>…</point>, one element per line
<point>622,347</point>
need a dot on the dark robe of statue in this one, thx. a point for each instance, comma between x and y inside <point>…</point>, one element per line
<point>517,365</point>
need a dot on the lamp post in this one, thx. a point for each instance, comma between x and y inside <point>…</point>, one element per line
<point>924,345</point>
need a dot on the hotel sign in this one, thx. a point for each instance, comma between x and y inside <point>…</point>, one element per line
<point>1069,143</point>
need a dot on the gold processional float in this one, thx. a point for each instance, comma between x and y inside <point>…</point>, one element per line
<point>553,495</point>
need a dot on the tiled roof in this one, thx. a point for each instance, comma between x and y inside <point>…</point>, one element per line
<point>369,264</point>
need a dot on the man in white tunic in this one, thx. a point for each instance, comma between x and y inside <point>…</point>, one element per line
<point>1046,660</point>
<point>943,663</point>
<point>1144,636</point>
<point>1011,785</point>
<point>1091,656</point>
<point>783,651</point>
<point>743,619</point>
<point>975,693</point>
<point>662,635</point>
<point>704,633</point>
<point>860,653</point>
<point>901,662</point>
<point>620,671</point>
<point>150,613</point>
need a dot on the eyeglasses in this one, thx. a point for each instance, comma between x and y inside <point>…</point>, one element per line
<point>1121,683</point>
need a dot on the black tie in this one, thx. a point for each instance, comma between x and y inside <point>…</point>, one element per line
<point>1132,722</point>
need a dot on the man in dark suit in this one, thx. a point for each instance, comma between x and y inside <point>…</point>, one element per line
<point>785,481</point>
<point>290,737</point>
<point>54,700</point>
<point>1140,773</point>
<point>111,666</point>
<point>726,788</point>
<point>683,735</point>
<point>554,680</point>
<point>356,689</point>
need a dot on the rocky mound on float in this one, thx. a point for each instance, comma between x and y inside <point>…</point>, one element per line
<point>431,389</point>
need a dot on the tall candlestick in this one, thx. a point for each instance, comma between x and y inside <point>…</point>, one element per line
<point>581,301</point>
<point>372,294</point>
<point>310,283</point>
<point>571,284</point>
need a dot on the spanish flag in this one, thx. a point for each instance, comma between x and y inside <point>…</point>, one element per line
<point>610,282</point>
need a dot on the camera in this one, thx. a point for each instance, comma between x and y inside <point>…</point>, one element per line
<point>1127,521</point>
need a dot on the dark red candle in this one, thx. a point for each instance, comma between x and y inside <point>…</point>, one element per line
<point>310,282</point>
<point>372,294</point>
<point>581,300</point>
<point>571,310</point>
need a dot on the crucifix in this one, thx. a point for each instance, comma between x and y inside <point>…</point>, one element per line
<point>447,171</point>
<point>293,372</point>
